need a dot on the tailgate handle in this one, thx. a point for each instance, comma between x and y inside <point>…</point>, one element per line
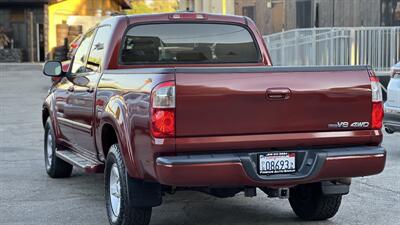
<point>278,93</point>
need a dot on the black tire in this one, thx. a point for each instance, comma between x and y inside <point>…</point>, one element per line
<point>55,167</point>
<point>127,215</point>
<point>388,130</point>
<point>309,203</point>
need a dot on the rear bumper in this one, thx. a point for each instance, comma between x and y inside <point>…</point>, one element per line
<point>392,118</point>
<point>240,169</point>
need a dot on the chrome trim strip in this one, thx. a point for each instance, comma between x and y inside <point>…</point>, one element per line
<point>76,125</point>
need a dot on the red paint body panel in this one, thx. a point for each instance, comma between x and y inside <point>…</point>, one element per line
<point>215,112</point>
<point>286,140</point>
<point>125,99</point>
<point>235,103</point>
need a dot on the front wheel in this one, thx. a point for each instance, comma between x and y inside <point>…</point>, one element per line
<point>309,203</point>
<point>116,189</point>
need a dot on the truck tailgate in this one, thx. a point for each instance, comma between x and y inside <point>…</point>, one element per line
<point>267,100</point>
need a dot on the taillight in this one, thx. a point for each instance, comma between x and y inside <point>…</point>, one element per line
<point>377,106</point>
<point>376,89</point>
<point>162,119</point>
<point>377,115</point>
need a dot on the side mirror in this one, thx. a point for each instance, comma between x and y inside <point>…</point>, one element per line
<point>52,69</point>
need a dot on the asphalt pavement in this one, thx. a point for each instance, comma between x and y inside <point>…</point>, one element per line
<point>29,196</point>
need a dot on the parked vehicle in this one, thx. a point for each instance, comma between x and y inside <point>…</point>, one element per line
<point>392,105</point>
<point>166,102</point>
<point>66,63</point>
<point>73,46</point>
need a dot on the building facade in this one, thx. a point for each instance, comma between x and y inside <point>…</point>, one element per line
<point>208,6</point>
<point>270,16</point>
<point>273,16</point>
<point>68,18</point>
<point>35,27</point>
<point>22,22</point>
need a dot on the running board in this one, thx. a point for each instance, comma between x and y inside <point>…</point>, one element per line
<point>76,159</point>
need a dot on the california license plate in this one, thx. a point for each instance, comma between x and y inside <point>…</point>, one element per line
<point>277,162</point>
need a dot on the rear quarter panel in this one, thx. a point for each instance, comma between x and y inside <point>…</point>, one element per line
<point>123,100</point>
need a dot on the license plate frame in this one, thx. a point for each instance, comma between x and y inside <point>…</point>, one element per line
<point>266,163</point>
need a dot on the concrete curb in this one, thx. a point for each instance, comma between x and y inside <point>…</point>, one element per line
<point>23,63</point>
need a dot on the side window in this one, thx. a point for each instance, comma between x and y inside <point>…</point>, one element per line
<point>78,66</point>
<point>96,54</point>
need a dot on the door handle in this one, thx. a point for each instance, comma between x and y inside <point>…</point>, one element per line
<point>278,93</point>
<point>71,88</point>
<point>90,89</point>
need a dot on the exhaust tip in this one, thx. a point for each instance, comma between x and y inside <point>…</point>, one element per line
<point>388,130</point>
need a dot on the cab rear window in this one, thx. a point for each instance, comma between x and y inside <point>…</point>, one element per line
<point>188,43</point>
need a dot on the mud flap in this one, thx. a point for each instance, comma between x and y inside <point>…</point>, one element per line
<point>143,194</point>
<point>334,188</point>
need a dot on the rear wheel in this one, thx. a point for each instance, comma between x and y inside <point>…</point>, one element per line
<point>55,167</point>
<point>309,203</point>
<point>118,210</point>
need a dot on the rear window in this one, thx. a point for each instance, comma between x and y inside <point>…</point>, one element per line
<point>188,43</point>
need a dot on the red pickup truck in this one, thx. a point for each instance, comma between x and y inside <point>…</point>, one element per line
<point>169,102</point>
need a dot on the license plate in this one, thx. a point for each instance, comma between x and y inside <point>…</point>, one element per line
<point>277,162</point>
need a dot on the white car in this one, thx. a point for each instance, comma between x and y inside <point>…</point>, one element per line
<point>392,105</point>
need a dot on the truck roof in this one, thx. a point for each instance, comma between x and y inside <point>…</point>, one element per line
<point>179,16</point>
<point>185,16</point>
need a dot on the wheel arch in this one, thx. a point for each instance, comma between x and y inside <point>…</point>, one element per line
<point>111,132</point>
<point>49,111</point>
<point>108,138</point>
<point>45,115</point>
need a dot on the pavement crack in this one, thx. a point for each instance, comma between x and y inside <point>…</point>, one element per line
<point>379,187</point>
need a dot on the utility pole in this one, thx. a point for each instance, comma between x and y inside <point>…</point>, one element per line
<point>31,37</point>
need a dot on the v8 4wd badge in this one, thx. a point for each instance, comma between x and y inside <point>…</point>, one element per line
<point>347,124</point>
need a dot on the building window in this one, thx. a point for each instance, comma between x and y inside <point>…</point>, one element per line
<point>249,11</point>
<point>303,14</point>
<point>390,13</point>
<point>397,14</point>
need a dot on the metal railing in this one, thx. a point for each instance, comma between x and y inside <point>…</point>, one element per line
<point>378,47</point>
